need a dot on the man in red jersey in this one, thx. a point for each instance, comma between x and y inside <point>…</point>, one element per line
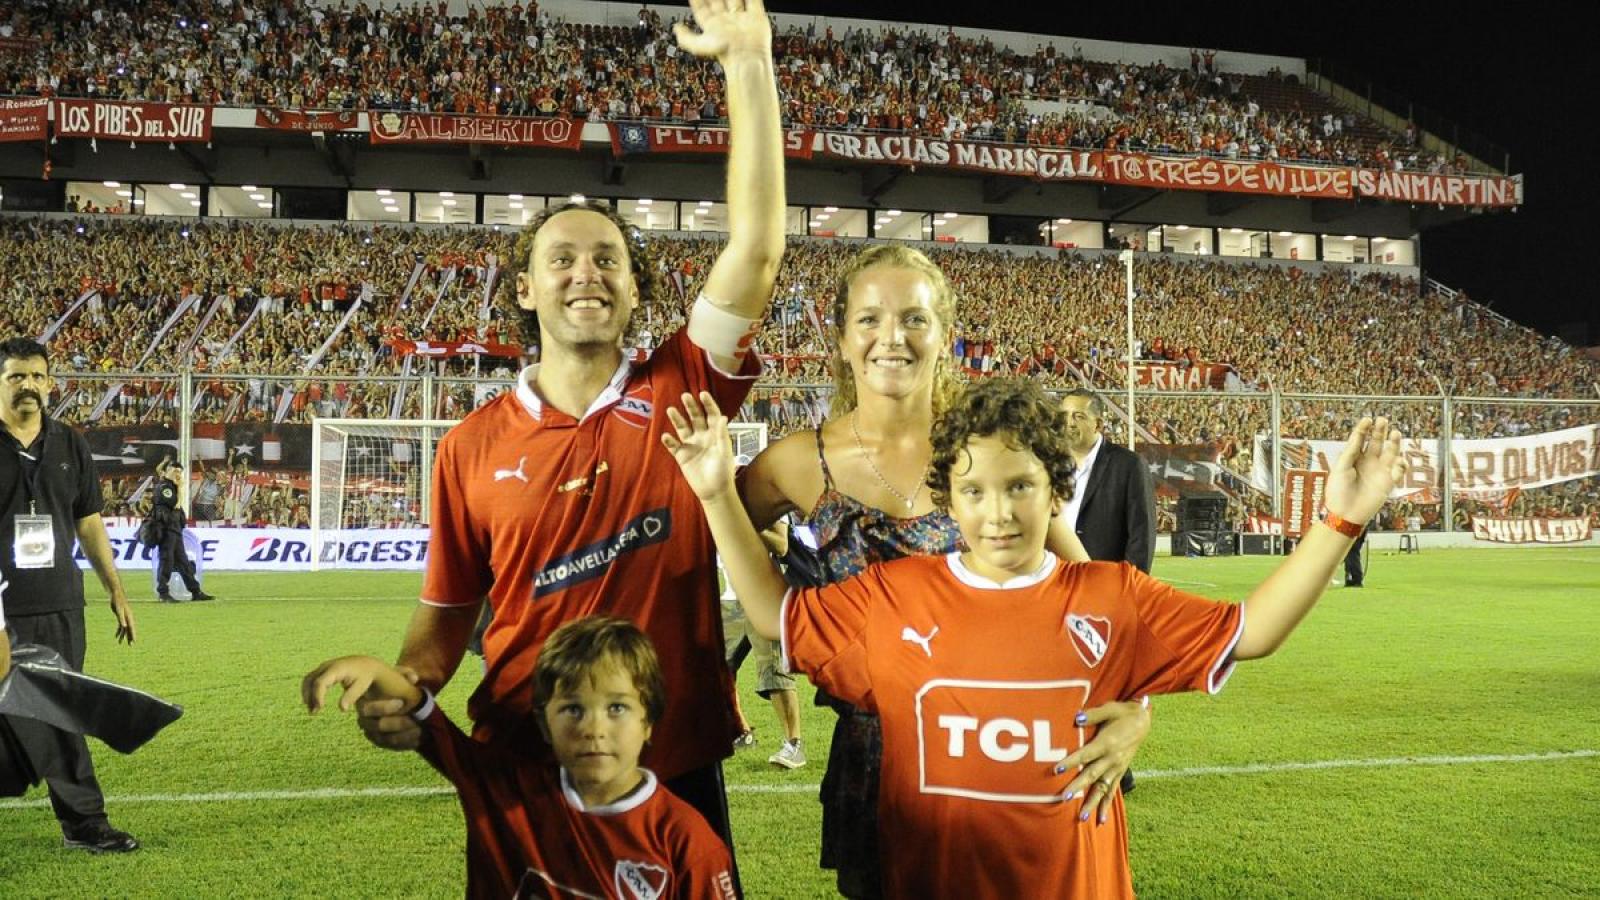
<point>555,501</point>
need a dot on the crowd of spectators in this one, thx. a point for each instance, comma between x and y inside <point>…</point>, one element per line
<point>271,297</point>
<point>515,60</point>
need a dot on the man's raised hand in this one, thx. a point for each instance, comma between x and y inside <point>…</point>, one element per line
<point>727,28</point>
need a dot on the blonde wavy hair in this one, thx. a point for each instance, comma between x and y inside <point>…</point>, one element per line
<point>947,383</point>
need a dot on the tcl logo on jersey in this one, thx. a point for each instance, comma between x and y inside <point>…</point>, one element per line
<point>997,740</point>
<point>1090,637</point>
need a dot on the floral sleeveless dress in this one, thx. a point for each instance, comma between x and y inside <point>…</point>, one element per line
<point>850,537</point>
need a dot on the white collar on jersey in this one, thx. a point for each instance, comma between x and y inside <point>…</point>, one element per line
<point>972,579</point>
<point>633,800</point>
<point>534,404</point>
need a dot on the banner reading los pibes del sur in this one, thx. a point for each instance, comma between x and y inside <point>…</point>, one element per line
<point>1481,464</point>
<point>124,121</point>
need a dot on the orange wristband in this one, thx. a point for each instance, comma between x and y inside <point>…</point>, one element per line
<point>1349,529</point>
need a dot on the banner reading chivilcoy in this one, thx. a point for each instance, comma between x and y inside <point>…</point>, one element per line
<point>1532,531</point>
<point>634,137</point>
<point>23,120</point>
<point>307,120</point>
<point>121,121</point>
<point>440,128</point>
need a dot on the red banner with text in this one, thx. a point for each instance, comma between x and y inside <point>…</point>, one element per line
<point>1532,531</point>
<point>440,128</point>
<point>23,120</point>
<point>1230,175</point>
<point>635,137</point>
<point>307,119</point>
<point>1302,500</point>
<point>1043,163</point>
<point>123,121</point>
<point>1171,376</point>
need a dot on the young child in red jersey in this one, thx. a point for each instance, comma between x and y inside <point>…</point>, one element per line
<point>599,826</point>
<point>980,663</point>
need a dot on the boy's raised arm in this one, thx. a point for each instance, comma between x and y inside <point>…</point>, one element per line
<point>1362,477</point>
<point>359,676</point>
<point>704,453</point>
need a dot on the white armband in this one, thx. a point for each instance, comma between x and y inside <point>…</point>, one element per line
<point>425,709</point>
<point>719,332</point>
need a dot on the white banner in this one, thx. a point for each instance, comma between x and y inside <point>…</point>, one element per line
<point>280,549</point>
<point>1532,531</point>
<point>1482,464</point>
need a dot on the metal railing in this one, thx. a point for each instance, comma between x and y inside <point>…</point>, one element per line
<point>1237,443</point>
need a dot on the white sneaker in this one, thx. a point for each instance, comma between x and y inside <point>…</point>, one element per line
<point>789,756</point>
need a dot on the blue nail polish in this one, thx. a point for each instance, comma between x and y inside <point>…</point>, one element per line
<point>1069,795</point>
<point>1060,769</point>
<point>1081,719</point>
<point>1084,816</point>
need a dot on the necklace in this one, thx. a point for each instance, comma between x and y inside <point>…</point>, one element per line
<point>910,501</point>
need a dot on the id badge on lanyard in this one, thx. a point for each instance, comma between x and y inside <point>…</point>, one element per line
<point>34,542</point>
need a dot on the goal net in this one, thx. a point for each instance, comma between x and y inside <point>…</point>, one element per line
<point>378,473</point>
<point>369,473</point>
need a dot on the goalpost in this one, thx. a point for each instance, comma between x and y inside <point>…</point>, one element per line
<point>370,473</point>
<point>378,473</point>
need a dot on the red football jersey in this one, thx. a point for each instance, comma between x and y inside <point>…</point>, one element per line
<point>977,685</point>
<point>555,518</point>
<point>529,835</point>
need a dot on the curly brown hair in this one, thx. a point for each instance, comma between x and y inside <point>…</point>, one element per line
<point>1016,408</point>
<point>639,264</point>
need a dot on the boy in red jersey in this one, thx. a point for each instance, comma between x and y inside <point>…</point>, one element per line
<point>981,663</point>
<point>597,826</point>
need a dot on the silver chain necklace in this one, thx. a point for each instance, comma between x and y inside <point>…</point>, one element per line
<point>908,501</point>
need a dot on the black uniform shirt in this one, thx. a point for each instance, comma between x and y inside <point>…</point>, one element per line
<point>56,473</point>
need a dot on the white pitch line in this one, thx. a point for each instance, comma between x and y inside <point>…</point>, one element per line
<point>810,787</point>
<point>1187,581</point>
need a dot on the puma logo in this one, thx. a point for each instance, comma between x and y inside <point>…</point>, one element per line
<point>503,474</point>
<point>909,634</point>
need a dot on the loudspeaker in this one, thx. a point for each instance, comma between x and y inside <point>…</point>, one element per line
<point>1259,544</point>
<point>1202,512</point>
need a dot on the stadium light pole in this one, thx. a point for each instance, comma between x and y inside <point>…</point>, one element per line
<point>1126,258</point>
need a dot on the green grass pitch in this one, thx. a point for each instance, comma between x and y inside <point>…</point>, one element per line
<point>1452,702</point>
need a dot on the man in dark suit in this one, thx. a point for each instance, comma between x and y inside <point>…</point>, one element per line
<point>1113,509</point>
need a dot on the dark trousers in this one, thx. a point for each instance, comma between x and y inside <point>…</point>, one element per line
<point>1352,563</point>
<point>174,559</point>
<point>704,790</point>
<point>74,791</point>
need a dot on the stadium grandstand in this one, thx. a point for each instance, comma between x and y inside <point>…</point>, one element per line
<point>302,211</point>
